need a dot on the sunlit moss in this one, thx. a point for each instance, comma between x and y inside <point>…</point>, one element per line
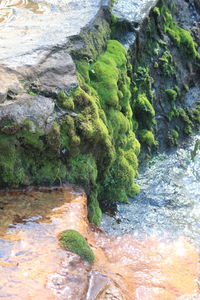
<point>73,241</point>
<point>147,137</point>
<point>180,36</point>
<point>82,170</point>
<point>94,211</point>
<point>11,170</point>
<point>144,111</point>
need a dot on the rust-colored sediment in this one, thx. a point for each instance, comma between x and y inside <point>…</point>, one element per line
<point>33,266</point>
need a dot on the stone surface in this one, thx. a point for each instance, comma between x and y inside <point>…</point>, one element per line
<point>192,97</point>
<point>35,37</point>
<point>36,108</point>
<point>97,283</point>
<point>133,11</point>
<point>111,293</point>
<point>71,281</point>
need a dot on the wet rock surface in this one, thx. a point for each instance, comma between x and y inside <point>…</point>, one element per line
<point>36,108</point>
<point>33,264</point>
<point>133,11</point>
<point>169,203</point>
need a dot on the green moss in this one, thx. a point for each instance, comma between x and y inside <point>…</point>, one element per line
<point>11,170</point>
<point>120,180</point>
<point>94,211</point>
<point>65,102</point>
<point>144,111</point>
<point>105,73</point>
<point>76,243</point>
<point>186,87</point>
<point>171,94</point>
<point>195,150</point>
<point>194,114</point>
<point>147,137</point>
<point>180,36</point>
<point>50,172</point>
<point>31,139</point>
<point>32,93</point>
<point>173,137</point>
<point>156,65</point>
<point>82,170</point>
<point>114,19</point>
<point>117,123</point>
<point>96,145</point>
<point>143,80</point>
<point>167,64</point>
<point>156,11</point>
<point>175,134</point>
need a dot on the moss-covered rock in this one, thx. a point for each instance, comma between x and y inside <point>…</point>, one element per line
<point>180,36</point>
<point>172,94</point>
<point>73,241</point>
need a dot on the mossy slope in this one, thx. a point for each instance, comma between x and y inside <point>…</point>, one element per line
<point>93,145</point>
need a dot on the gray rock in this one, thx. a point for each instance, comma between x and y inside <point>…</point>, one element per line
<point>133,11</point>
<point>36,40</point>
<point>192,97</point>
<point>97,283</point>
<point>36,108</point>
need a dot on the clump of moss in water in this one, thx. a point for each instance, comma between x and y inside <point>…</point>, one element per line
<point>73,241</point>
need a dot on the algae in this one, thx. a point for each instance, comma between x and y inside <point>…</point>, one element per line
<point>73,241</point>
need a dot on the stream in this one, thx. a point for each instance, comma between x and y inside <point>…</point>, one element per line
<point>148,251</point>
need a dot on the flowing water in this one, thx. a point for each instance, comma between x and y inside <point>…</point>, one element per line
<point>150,251</point>
<point>169,203</point>
<point>30,223</point>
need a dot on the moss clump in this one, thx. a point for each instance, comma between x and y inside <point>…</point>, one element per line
<point>106,121</point>
<point>94,211</point>
<point>156,11</point>
<point>76,243</point>
<point>195,150</point>
<point>147,138</point>
<point>180,36</point>
<point>188,125</point>
<point>144,111</point>
<point>105,73</point>
<point>143,81</point>
<point>82,170</point>
<point>173,136</point>
<point>65,102</point>
<point>11,169</point>
<point>171,94</point>
<point>120,180</point>
<point>167,64</point>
